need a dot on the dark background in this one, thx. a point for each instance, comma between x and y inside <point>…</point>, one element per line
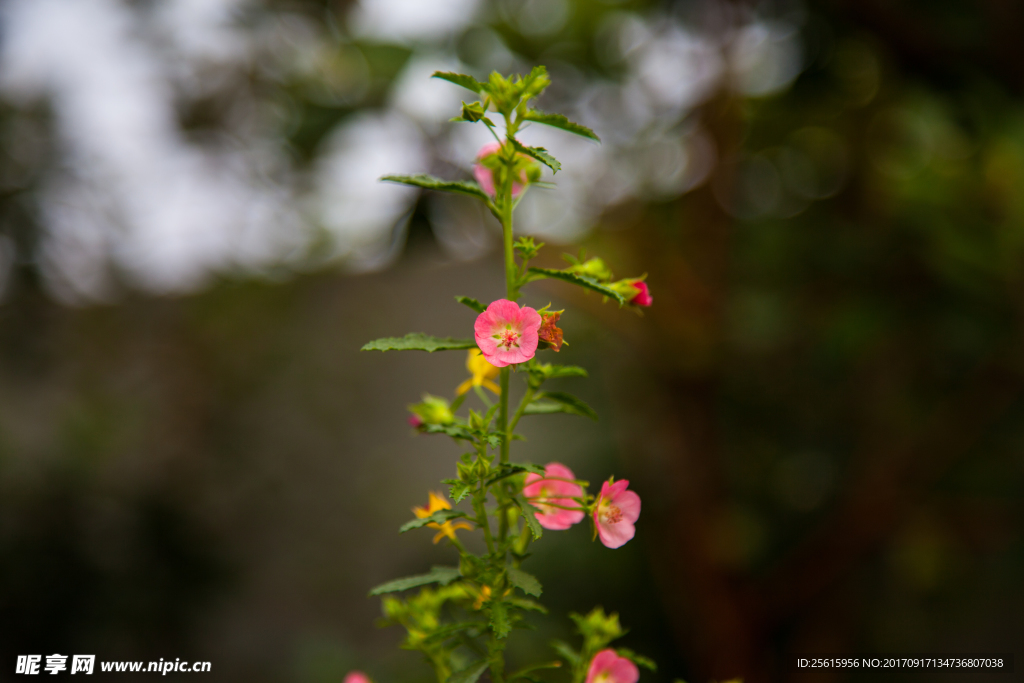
<point>822,411</point>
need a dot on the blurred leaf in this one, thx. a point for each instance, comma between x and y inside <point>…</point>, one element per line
<point>580,280</point>
<point>467,82</point>
<point>429,182</point>
<point>456,431</point>
<point>524,582</point>
<point>529,513</point>
<point>522,673</point>
<point>441,575</point>
<point>566,651</point>
<point>559,121</point>
<point>509,469</point>
<point>439,517</point>
<point>446,632</point>
<point>526,603</point>
<point>559,402</point>
<point>540,154</point>
<point>417,341</point>
<point>640,660</point>
<point>470,673</point>
<point>499,618</point>
<point>472,303</point>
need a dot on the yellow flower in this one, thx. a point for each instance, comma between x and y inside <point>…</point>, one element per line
<point>482,372</point>
<point>438,502</point>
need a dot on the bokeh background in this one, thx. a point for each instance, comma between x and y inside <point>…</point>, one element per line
<point>822,412</point>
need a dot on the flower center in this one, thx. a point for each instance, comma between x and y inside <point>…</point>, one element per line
<point>507,339</point>
<point>610,514</point>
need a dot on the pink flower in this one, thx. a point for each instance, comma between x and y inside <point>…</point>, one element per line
<point>357,677</point>
<point>616,512</point>
<point>553,489</point>
<point>507,334</point>
<point>485,176</point>
<point>609,667</point>
<point>643,296</point>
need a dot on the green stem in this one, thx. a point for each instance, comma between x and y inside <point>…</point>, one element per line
<point>503,415</point>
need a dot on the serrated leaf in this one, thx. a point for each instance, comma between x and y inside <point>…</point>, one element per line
<point>470,673</point>
<point>429,182</point>
<point>417,341</point>
<point>524,582</point>
<point>540,154</point>
<point>441,575</point>
<point>467,82</point>
<point>458,491</point>
<point>560,121</point>
<point>456,431</point>
<point>566,651</point>
<point>529,513</point>
<point>439,517</point>
<point>499,619</point>
<point>579,280</point>
<point>472,303</point>
<point>640,660</point>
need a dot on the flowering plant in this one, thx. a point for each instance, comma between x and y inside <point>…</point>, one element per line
<point>462,615</point>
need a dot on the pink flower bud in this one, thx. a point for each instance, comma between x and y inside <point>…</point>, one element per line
<point>608,667</point>
<point>615,513</point>
<point>506,333</point>
<point>643,296</point>
<point>555,488</point>
<point>485,176</point>
<point>357,677</point>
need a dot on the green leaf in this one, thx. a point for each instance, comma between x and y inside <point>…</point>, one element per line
<point>580,280</point>
<point>566,651</point>
<point>640,660</point>
<point>524,582</point>
<point>540,154</point>
<point>458,491</point>
<point>526,603</point>
<point>470,673</point>
<point>567,371</point>
<point>467,82</point>
<point>439,517</point>
<point>456,431</point>
<point>441,575</point>
<point>559,121</point>
<point>446,632</point>
<point>417,341</point>
<point>560,402</point>
<point>510,469</point>
<point>543,408</point>
<point>522,673</point>
<point>529,513</point>
<point>429,182</point>
<point>499,619</point>
<point>472,303</point>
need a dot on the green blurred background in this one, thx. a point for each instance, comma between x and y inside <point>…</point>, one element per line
<point>822,411</point>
